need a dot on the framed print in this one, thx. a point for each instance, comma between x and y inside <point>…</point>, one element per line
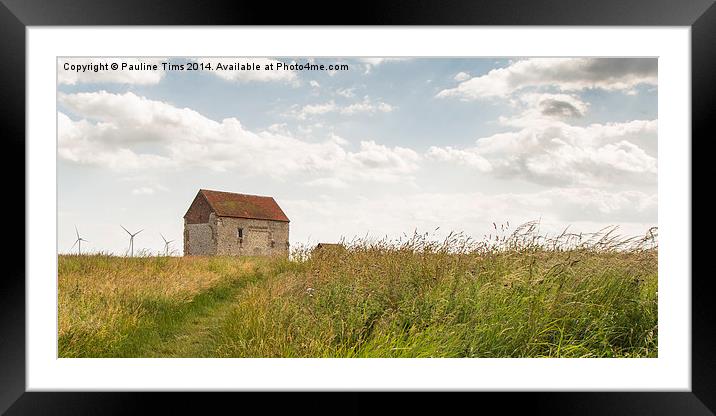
<point>448,202</point>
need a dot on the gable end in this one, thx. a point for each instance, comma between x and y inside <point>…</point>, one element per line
<point>199,210</point>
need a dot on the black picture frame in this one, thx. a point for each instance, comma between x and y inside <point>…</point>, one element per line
<point>16,15</point>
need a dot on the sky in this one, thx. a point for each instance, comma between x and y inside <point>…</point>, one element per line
<point>380,147</point>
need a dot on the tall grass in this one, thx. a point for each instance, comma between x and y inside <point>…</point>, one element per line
<point>118,306</point>
<point>514,294</point>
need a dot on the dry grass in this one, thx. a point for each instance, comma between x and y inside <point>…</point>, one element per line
<point>108,305</point>
<point>514,294</point>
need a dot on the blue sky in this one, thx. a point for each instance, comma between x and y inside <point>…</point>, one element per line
<point>383,148</point>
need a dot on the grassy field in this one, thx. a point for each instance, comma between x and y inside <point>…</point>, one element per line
<point>518,295</point>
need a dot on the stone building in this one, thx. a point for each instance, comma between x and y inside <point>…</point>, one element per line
<point>328,249</point>
<point>225,223</point>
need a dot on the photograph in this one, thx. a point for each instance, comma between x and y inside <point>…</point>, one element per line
<point>488,198</point>
<point>357,207</point>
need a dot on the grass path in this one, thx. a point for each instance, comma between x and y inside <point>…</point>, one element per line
<point>194,335</point>
<point>195,338</point>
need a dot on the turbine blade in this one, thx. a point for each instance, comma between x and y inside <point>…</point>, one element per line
<point>73,245</point>
<point>125,229</point>
<point>165,240</point>
<point>77,232</point>
<point>139,231</point>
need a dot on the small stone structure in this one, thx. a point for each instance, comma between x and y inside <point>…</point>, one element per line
<point>327,249</point>
<point>225,223</point>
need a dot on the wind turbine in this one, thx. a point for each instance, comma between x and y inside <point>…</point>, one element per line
<point>78,242</point>
<point>166,244</point>
<point>131,239</point>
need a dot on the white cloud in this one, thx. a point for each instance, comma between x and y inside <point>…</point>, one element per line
<point>100,144</point>
<point>366,106</point>
<point>145,190</point>
<point>130,132</point>
<point>547,149</point>
<point>559,153</point>
<point>463,157</point>
<point>346,92</point>
<point>334,183</point>
<point>336,138</point>
<point>314,84</point>
<point>280,128</point>
<point>379,160</point>
<point>310,110</point>
<point>239,75</point>
<point>68,73</point>
<point>567,74</point>
<point>461,76</point>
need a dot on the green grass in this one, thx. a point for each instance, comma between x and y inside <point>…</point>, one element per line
<point>125,307</point>
<point>516,296</point>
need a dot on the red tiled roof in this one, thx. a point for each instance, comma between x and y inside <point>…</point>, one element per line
<point>229,204</point>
